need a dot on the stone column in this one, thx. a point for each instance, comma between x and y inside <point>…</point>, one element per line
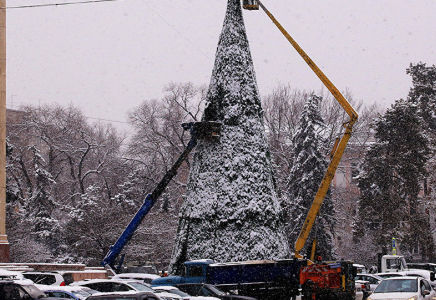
<point>4,244</point>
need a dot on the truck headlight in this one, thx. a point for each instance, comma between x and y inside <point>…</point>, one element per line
<point>413,298</point>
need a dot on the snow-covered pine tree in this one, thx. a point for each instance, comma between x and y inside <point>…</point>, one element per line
<point>305,177</point>
<point>231,211</point>
<point>423,93</point>
<point>390,183</point>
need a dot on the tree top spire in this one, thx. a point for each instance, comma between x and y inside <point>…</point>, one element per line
<point>233,93</point>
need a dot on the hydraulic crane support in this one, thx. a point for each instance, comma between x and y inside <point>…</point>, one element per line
<point>199,131</point>
<point>338,149</point>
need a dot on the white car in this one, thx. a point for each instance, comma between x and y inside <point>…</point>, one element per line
<point>14,275</point>
<point>46,278</point>
<point>362,289</point>
<point>183,295</point>
<point>360,268</point>
<point>373,280</point>
<point>389,275</point>
<point>146,278</point>
<point>429,275</point>
<point>120,285</point>
<point>404,288</point>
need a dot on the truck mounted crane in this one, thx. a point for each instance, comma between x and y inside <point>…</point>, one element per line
<point>321,280</point>
<point>340,144</point>
<point>198,131</point>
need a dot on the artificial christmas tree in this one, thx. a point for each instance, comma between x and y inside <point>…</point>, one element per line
<point>231,211</point>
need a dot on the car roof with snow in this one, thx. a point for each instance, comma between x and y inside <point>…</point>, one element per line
<point>404,277</point>
<point>165,287</point>
<point>86,281</point>
<point>389,274</point>
<point>199,261</point>
<point>11,274</point>
<point>136,275</point>
<point>418,272</point>
<point>68,288</point>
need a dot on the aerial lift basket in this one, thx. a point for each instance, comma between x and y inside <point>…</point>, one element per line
<point>204,130</point>
<point>250,4</point>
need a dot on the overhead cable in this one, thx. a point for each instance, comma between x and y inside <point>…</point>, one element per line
<point>178,32</point>
<point>55,4</point>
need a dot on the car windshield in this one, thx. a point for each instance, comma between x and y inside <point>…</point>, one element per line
<point>397,286</point>
<point>141,287</point>
<point>34,291</point>
<point>81,293</point>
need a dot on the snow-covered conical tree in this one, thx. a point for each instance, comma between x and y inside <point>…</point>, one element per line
<point>305,177</point>
<point>231,211</point>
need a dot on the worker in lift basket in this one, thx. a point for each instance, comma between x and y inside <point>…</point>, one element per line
<point>250,2</point>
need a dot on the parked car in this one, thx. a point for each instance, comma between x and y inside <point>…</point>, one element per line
<point>429,275</point>
<point>168,296</point>
<point>13,275</point>
<point>422,266</point>
<point>373,280</point>
<point>359,291</point>
<point>47,278</point>
<point>416,288</point>
<point>108,285</point>
<point>114,285</point>
<point>12,290</point>
<point>68,292</point>
<point>146,278</point>
<point>132,295</point>
<point>143,287</point>
<point>208,290</point>
<point>185,296</point>
<point>363,289</point>
<point>360,268</point>
<point>389,275</point>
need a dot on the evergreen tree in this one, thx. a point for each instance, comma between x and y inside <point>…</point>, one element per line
<point>423,92</point>
<point>305,177</point>
<point>35,211</point>
<point>390,182</point>
<point>231,211</point>
<point>41,204</point>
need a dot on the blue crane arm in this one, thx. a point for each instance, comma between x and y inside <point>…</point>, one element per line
<point>125,237</point>
<point>149,201</point>
<point>198,130</point>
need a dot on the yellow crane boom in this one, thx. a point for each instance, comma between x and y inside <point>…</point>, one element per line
<point>340,145</point>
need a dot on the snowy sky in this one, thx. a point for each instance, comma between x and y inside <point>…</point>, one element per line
<point>108,57</point>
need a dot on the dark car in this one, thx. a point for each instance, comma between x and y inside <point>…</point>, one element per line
<point>208,290</point>
<point>125,296</point>
<point>11,290</point>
